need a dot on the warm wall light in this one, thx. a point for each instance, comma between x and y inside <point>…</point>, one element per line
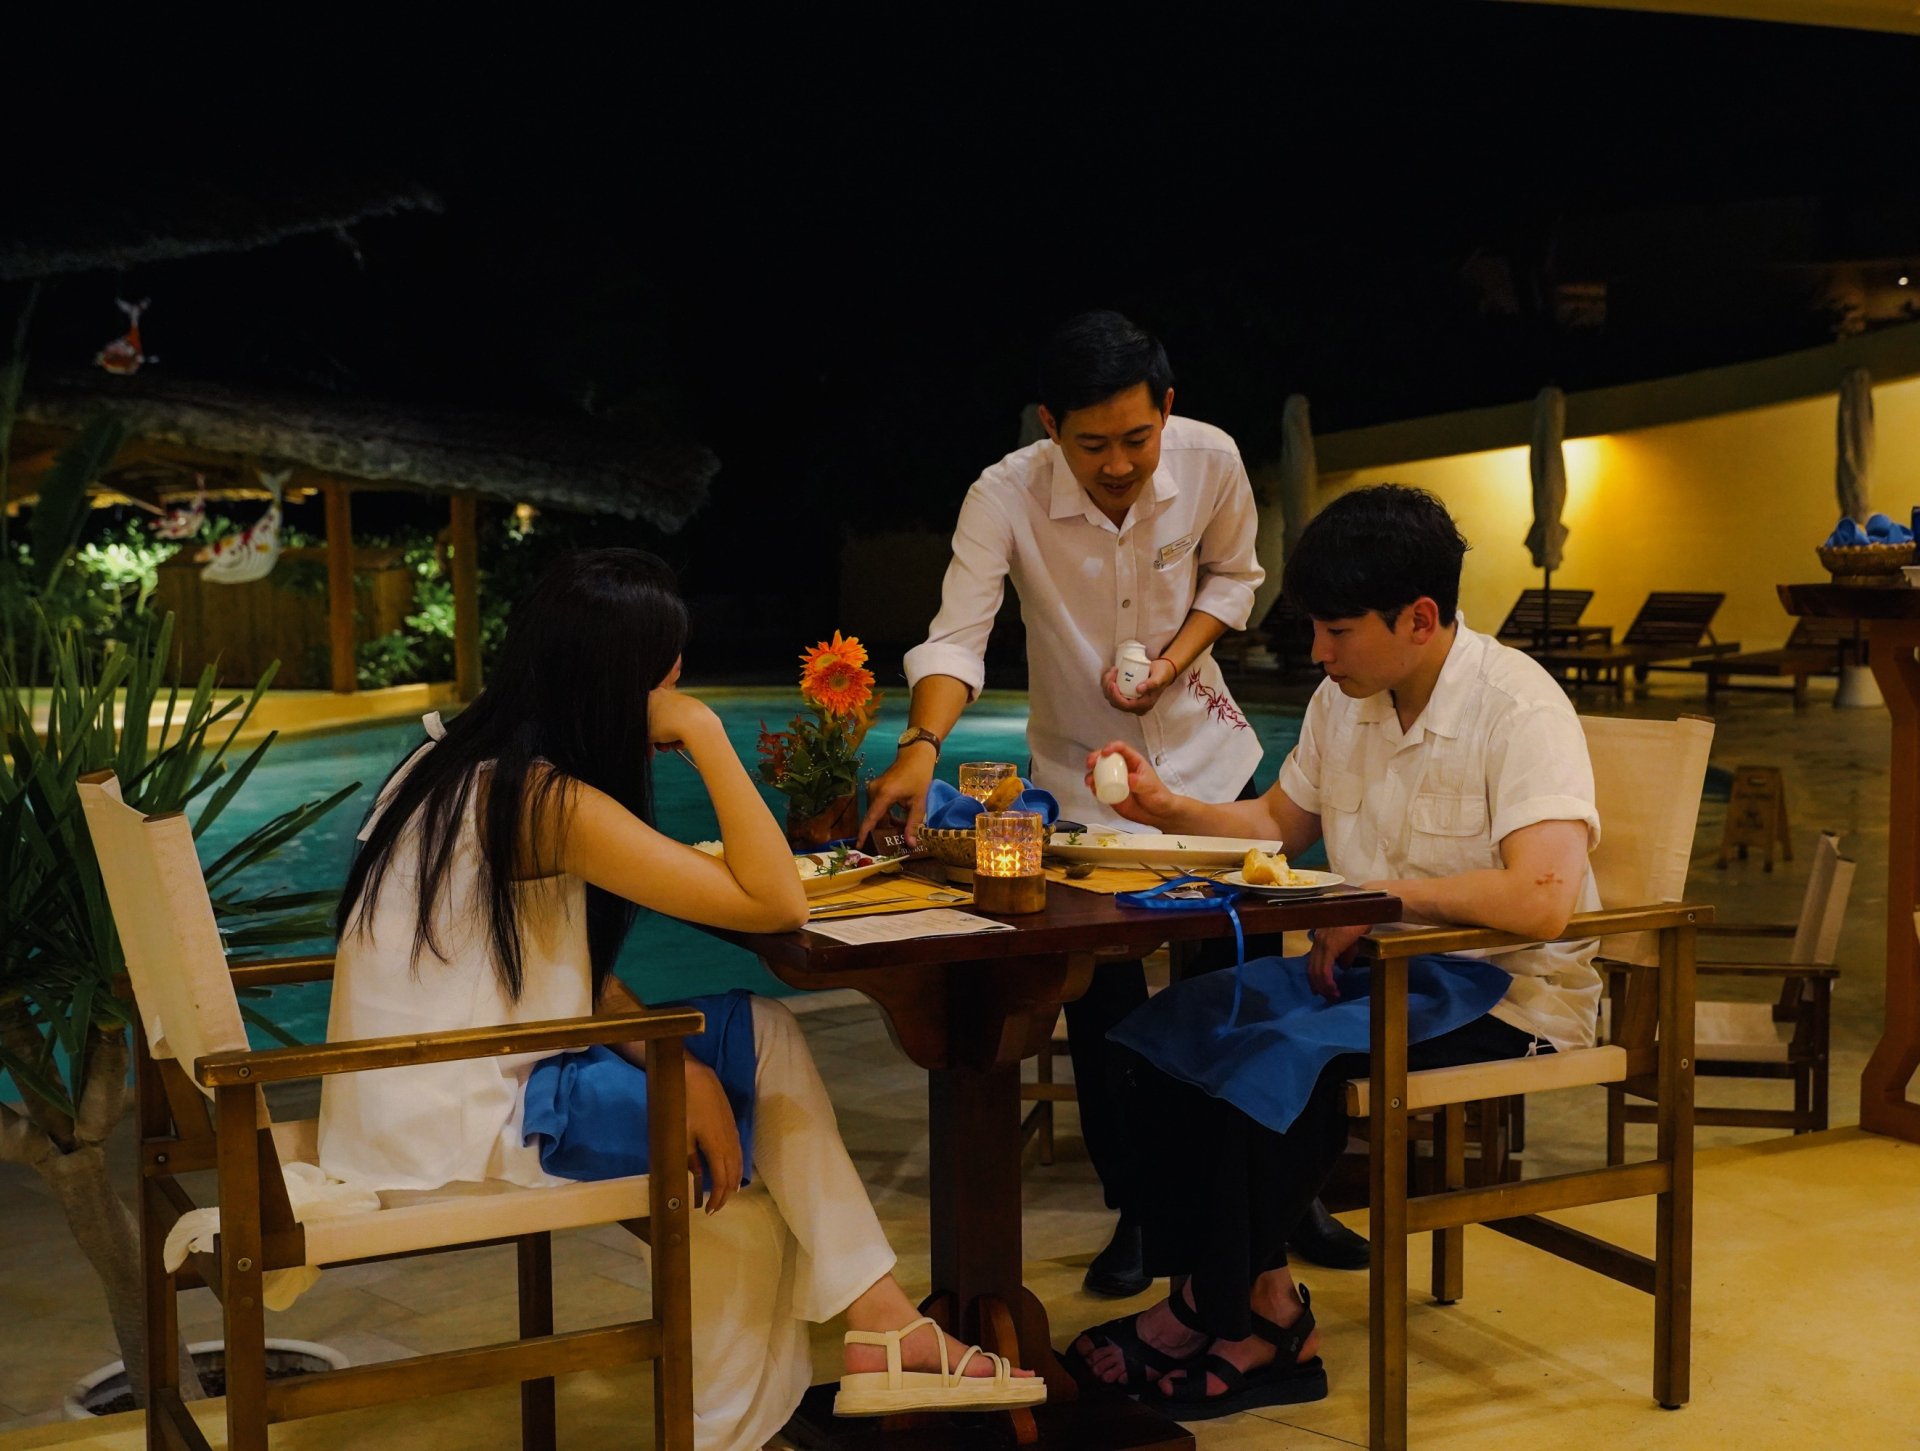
<point>1007,875</point>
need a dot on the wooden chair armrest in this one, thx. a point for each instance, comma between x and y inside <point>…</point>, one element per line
<point>1765,969</point>
<point>1748,929</point>
<point>1415,941</point>
<point>279,1065</point>
<point>271,971</point>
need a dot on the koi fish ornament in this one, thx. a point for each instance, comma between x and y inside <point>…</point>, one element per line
<point>178,523</point>
<point>122,356</point>
<point>250,554</point>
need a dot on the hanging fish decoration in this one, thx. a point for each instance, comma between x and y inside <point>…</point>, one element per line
<point>122,356</point>
<point>250,554</point>
<point>179,523</point>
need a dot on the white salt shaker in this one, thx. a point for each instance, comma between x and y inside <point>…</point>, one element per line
<point>1131,661</point>
<point>1110,779</point>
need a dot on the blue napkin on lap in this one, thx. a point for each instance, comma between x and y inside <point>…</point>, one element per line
<point>1880,530</point>
<point>948,810</point>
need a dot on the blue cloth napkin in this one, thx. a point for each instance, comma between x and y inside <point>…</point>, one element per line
<point>1880,530</point>
<point>589,1109</point>
<point>1265,1058</point>
<point>948,810</point>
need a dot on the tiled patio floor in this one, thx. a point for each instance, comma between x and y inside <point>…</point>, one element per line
<point>53,1326</point>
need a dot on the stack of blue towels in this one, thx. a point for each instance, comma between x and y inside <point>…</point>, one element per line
<point>1880,530</point>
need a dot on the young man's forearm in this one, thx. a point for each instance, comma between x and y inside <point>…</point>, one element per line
<point>1533,895</point>
<point>1195,638</point>
<point>938,701</point>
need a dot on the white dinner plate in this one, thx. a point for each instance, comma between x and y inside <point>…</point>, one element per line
<point>1113,848</point>
<point>841,881</point>
<point>1322,882</point>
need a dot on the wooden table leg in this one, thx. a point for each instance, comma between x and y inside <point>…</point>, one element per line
<point>1884,1108</point>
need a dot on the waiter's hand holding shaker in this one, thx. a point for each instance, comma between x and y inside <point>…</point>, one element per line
<point>1135,683</point>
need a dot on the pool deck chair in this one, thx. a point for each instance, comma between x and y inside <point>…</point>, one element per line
<point>1816,647</point>
<point>1786,1038</point>
<point>1647,779</point>
<point>1522,625</point>
<point>1673,625</point>
<point>200,1107</point>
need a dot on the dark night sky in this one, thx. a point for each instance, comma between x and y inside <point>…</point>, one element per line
<point>827,247</point>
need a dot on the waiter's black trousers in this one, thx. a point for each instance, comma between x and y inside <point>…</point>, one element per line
<point>1217,1191</point>
<point>1117,989</point>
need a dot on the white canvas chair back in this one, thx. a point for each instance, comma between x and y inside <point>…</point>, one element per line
<point>167,930</point>
<point>1647,778</point>
<point>1824,908</point>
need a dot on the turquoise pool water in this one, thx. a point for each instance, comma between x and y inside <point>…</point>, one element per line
<point>663,959</point>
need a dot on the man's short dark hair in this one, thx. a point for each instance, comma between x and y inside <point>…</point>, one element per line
<point>1377,549</point>
<point>1097,355</point>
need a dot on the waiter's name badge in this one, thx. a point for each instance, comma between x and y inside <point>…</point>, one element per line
<point>1173,553</point>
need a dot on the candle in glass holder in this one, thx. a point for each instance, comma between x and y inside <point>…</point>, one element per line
<point>1007,876</point>
<point>978,778</point>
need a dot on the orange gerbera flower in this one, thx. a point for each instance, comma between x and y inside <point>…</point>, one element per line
<point>833,677</point>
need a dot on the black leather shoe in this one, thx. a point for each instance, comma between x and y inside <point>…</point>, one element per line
<point>1321,1239</point>
<point>1120,1270</point>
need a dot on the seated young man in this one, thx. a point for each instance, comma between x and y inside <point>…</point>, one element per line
<point>1438,765</point>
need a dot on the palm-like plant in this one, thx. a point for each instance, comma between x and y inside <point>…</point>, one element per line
<point>64,1009</point>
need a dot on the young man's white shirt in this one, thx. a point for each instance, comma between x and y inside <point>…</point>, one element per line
<point>1085,586</point>
<point>1498,747</point>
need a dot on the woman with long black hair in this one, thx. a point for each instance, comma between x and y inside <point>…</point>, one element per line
<point>500,869</point>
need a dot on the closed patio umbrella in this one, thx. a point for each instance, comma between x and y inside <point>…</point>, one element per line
<point>1282,520</point>
<point>1853,466</point>
<point>1548,466</point>
<point>1853,483</point>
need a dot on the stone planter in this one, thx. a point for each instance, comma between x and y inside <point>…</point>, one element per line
<point>93,1395</point>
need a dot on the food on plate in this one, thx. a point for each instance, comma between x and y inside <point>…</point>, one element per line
<point>821,864</point>
<point>1002,797</point>
<point>1261,870</point>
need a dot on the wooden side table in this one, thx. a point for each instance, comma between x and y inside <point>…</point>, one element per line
<point>1892,620</point>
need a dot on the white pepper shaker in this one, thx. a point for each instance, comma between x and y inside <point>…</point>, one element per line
<point>1131,661</point>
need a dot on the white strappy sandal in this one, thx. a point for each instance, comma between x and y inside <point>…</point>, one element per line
<point>893,1390</point>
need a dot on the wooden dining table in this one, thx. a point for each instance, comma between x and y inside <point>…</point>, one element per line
<point>968,1009</point>
<point>1891,618</point>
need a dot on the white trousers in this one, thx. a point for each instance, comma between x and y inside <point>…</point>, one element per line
<point>800,1244</point>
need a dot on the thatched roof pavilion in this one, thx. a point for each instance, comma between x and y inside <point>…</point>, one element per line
<point>180,427</point>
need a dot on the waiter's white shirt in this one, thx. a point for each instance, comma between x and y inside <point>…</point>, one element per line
<point>1086,586</point>
<point>1498,747</point>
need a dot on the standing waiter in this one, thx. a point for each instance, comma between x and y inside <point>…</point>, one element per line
<point>1124,523</point>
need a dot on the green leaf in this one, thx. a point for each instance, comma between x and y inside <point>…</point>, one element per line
<point>62,509</point>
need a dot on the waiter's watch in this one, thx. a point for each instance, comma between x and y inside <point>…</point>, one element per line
<point>918,733</point>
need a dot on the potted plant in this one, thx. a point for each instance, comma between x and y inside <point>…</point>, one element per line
<point>70,704</point>
<point>815,762</point>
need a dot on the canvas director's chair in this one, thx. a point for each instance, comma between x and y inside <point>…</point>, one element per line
<point>1647,779</point>
<point>200,1107</point>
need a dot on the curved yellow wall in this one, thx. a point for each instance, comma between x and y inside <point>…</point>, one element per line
<point>1733,503</point>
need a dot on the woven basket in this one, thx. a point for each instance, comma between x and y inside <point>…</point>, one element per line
<point>954,848</point>
<point>1865,564</point>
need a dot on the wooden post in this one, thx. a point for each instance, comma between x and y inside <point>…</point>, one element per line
<point>340,587</point>
<point>466,598</point>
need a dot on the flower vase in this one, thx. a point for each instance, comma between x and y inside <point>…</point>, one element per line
<point>840,820</point>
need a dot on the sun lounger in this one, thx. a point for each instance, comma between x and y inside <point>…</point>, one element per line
<point>1672,625</point>
<point>1816,647</point>
<point>1523,622</point>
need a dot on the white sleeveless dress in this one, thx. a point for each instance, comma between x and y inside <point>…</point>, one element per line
<point>441,1123</point>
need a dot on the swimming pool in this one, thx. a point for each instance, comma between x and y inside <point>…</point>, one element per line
<point>662,959</point>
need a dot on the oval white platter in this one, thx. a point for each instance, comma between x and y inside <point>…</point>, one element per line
<point>841,881</point>
<point>1321,882</point>
<point>1112,848</point>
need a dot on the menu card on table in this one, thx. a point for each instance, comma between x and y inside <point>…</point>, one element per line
<point>904,926</point>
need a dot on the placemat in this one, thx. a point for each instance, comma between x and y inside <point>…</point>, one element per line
<point>889,892</point>
<point>1108,880</point>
